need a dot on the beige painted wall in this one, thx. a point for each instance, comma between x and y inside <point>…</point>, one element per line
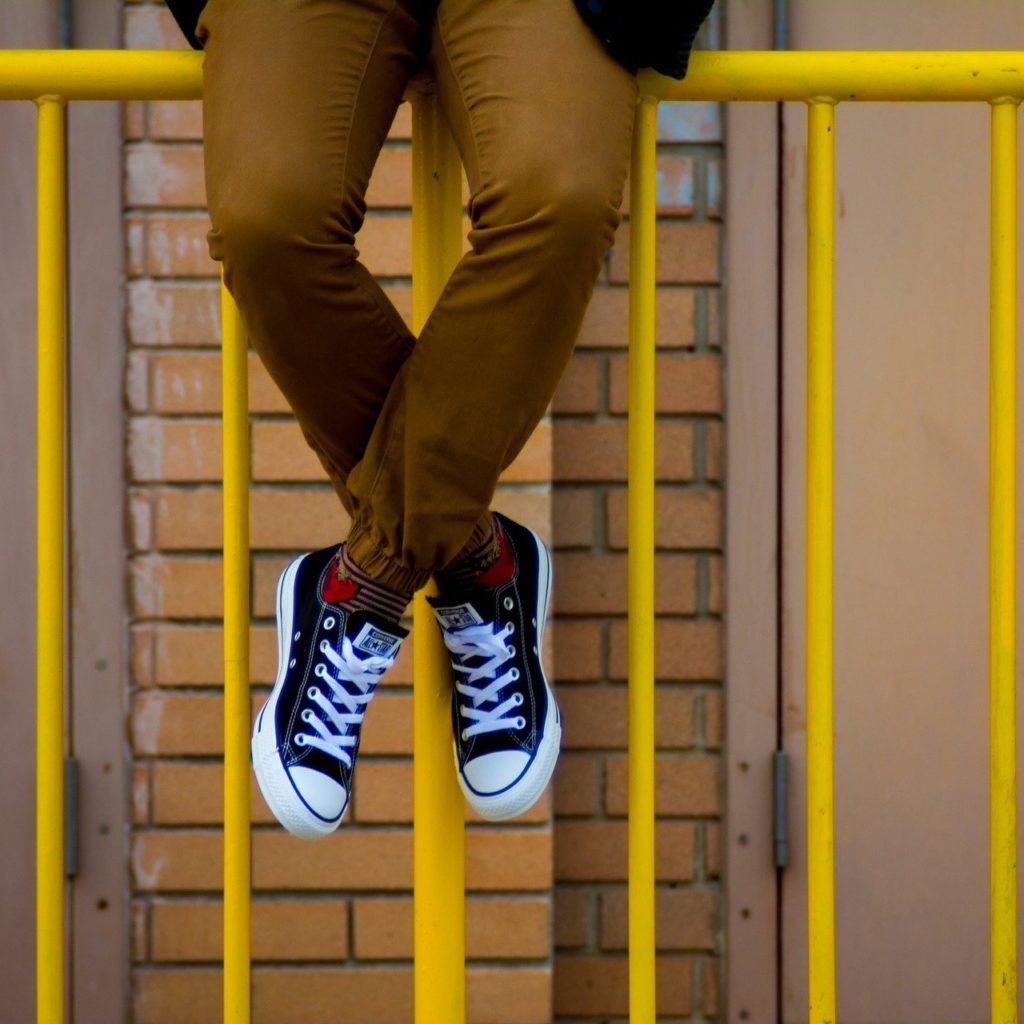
<point>911,491</point>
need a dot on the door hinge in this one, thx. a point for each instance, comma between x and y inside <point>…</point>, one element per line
<point>780,822</point>
<point>70,816</point>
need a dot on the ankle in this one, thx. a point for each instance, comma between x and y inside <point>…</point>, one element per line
<point>489,564</point>
<point>347,585</point>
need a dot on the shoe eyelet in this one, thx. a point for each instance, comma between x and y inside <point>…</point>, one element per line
<point>324,646</point>
<point>520,723</point>
<point>320,671</point>
<point>535,649</point>
<point>296,637</point>
<point>329,622</point>
<point>300,739</point>
<point>533,622</point>
<point>464,736</point>
<point>313,692</point>
<point>517,699</point>
<point>509,604</point>
<point>291,664</point>
<point>511,649</point>
<point>307,715</point>
<point>514,674</point>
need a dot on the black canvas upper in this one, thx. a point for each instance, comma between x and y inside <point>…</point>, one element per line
<point>512,602</point>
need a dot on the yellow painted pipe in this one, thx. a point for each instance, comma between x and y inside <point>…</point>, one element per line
<point>821,935</point>
<point>51,287</point>
<point>1002,565</point>
<point>237,909</point>
<point>101,74</point>
<point>881,75</point>
<point>439,911</point>
<point>640,574</point>
<point>840,75</point>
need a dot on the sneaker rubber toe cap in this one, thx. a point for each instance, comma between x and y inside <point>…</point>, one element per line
<point>495,772</point>
<point>323,796</point>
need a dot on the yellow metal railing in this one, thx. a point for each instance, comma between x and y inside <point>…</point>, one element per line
<point>822,80</point>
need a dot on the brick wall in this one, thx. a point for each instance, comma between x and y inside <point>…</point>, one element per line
<point>546,914</point>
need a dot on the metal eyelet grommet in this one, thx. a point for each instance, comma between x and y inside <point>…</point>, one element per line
<point>296,637</point>
<point>300,739</point>
<point>509,604</point>
<point>464,736</point>
<point>520,723</point>
<point>511,650</point>
<point>291,664</point>
<point>307,715</point>
<point>514,674</point>
<point>329,622</point>
<point>517,699</point>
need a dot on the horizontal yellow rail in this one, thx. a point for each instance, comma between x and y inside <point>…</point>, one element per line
<point>876,75</point>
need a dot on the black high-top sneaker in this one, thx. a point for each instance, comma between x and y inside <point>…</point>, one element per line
<point>305,739</point>
<point>504,717</point>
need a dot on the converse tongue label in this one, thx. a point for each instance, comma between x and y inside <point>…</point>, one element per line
<point>375,641</point>
<point>458,615</point>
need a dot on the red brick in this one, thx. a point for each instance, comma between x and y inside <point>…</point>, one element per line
<point>579,390</point>
<point>194,655</point>
<point>174,723</point>
<point>291,520</point>
<point>686,253</point>
<point>573,514</point>
<point>177,860</point>
<point>496,929</point>
<point>571,914</point>
<point>597,450</point>
<point>713,850</point>
<point>192,793</point>
<point>595,717</point>
<point>282,929</point>
<point>138,936</point>
<point>520,996</point>
<point>579,650</point>
<point>713,725</point>
<point>367,995</point>
<point>175,120</point>
<point>280,453</point>
<point>384,793</point>
<point>525,856</point>
<point>391,181</point>
<point>713,451</point>
<point>176,246</point>
<point>174,451</point>
<point>140,794</point>
<point>587,583</point>
<point>606,322</point>
<point>133,119</point>
<point>686,784</point>
<point>172,313</point>
<point>675,186</point>
<point>191,383</point>
<point>598,986</point>
<point>711,987</point>
<point>684,383</point>
<point>683,518</point>
<point>686,650</point>
<point>182,996</point>
<point>576,786</point>
<point>595,851</point>
<point>164,176</point>
<point>686,919</point>
<point>377,859</point>
<point>134,245</point>
<point>140,520</point>
<point>152,28</point>
<point>175,587</point>
<point>716,585</point>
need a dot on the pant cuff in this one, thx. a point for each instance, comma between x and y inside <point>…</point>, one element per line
<point>382,568</point>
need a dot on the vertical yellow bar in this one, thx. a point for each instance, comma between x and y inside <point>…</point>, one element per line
<point>438,833</point>
<point>235,392</point>
<point>1002,564</point>
<point>51,283</point>
<point>640,579</point>
<point>820,812</point>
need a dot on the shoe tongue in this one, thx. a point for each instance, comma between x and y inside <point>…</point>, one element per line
<point>455,616</point>
<point>373,637</point>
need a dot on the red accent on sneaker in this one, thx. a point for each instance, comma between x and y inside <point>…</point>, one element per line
<point>503,568</point>
<point>337,590</point>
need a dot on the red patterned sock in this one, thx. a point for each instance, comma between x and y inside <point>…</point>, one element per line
<point>489,565</point>
<point>348,586</point>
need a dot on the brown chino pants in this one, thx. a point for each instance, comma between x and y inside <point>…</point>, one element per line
<point>298,98</point>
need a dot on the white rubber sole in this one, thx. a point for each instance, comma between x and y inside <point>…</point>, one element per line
<point>276,787</point>
<point>527,791</point>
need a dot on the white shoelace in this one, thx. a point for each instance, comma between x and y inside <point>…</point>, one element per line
<point>363,673</point>
<point>484,641</point>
